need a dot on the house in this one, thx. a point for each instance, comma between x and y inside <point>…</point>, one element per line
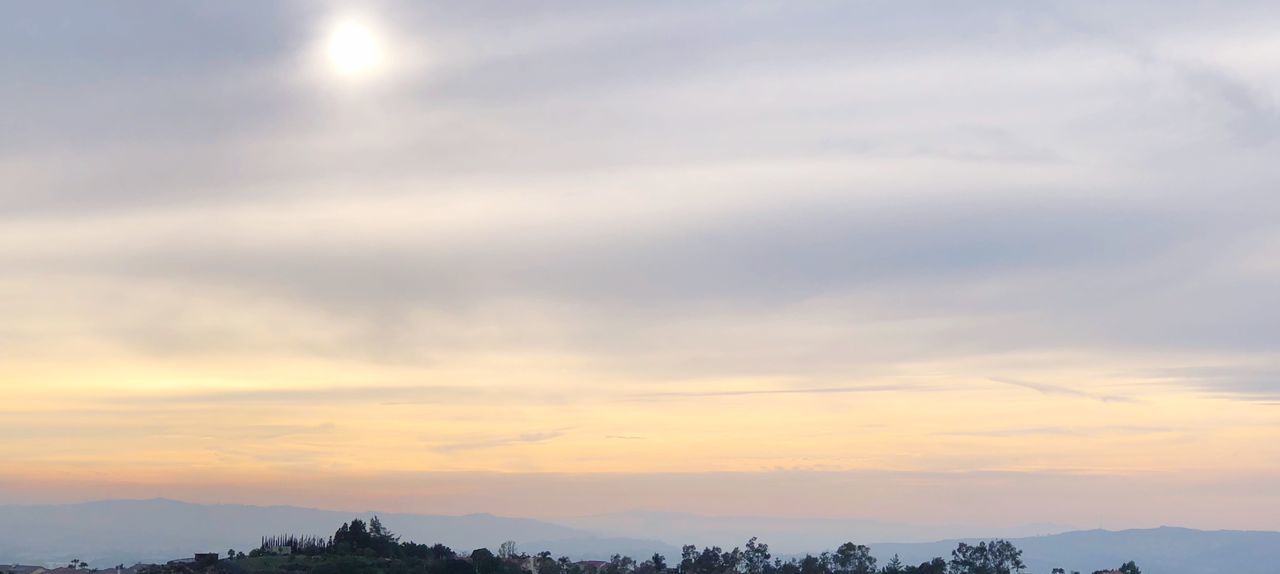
<point>64,570</point>
<point>199,560</point>
<point>22,569</point>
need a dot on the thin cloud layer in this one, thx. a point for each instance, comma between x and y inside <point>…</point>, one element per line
<point>845,237</point>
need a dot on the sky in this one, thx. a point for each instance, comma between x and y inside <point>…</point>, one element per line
<point>992,263</point>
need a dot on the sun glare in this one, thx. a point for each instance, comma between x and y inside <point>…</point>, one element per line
<point>354,49</point>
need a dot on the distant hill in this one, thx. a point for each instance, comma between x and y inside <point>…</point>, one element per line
<point>1163,550</point>
<point>784,535</point>
<point>128,531</point>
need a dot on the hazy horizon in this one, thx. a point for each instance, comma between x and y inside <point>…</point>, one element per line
<point>563,519</point>
<point>992,263</point>
<point>37,534</point>
<point>570,496</point>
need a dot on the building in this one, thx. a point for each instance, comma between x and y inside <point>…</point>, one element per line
<point>64,570</point>
<point>22,569</point>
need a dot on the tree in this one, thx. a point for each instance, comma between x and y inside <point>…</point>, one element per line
<point>1130,568</point>
<point>545,564</point>
<point>1059,571</point>
<point>453,565</point>
<point>710,560</point>
<point>688,555</point>
<point>995,557</point>
<point>853,558</point>
<point>731,560</point>
<point>1006,556</point>
<point>659,562</point>
<point>935,566</point>
<point>381,540</point>
<point>231,554</point>
<point>811,564</point>
<point>507,550</point>
<point>353,537</point>
<point>755,559</point>
<point>619,564</point>
<point>893,566</point>
<point>485,562</point>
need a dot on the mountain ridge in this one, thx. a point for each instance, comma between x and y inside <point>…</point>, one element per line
<point>108,532</point>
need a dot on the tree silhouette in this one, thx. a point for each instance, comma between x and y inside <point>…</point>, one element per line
<point>853,558</point>
<point>660,562</point>
<point>507,550</point>
<point>755,559</point>
<point>485,562</point>
<point>357,547</point>
<point>935,566</point>
<point>995,557</point>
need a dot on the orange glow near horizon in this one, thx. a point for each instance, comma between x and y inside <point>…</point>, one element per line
<point>650,256</point>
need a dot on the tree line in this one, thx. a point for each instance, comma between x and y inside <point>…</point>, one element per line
<point>358,547</point>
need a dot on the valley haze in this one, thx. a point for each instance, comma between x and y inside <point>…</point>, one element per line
<point>157,530</point>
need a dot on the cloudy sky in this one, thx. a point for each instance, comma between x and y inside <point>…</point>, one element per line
<point>994,262</point>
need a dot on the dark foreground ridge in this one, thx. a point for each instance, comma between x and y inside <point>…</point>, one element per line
<point>110,533</point>
<point>358,547</point>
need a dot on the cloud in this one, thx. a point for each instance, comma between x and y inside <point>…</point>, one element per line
<point>604,215</point>
<point>1256,382</point>
<point>1065,431</point>
<point>1023,212</point>
<point>1248,116</point>
<point>1048,389</point>
<point>372,394</point>
<point>808,391</point>
<point>496,442</point>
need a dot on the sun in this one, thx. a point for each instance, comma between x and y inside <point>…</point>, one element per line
<point>354,48</point>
